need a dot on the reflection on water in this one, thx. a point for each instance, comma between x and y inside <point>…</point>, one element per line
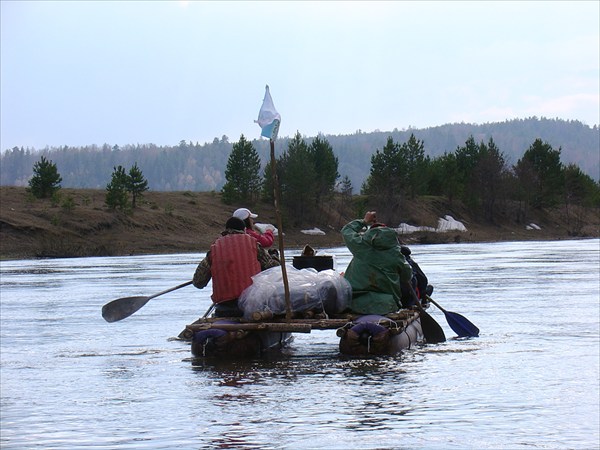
<point>71,380</point>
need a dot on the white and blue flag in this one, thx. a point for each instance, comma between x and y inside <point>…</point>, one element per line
<point>268,117</point>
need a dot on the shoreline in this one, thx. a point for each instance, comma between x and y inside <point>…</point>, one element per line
<point>80,225</point>
<point>295,250</point>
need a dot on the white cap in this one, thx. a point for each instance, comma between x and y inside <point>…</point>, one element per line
<point>244,213</point>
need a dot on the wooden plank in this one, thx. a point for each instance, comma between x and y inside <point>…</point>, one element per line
<point>279,324</point>
<point>277,327</point>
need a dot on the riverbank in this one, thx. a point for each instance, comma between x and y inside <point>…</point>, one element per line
<point>79,224</point>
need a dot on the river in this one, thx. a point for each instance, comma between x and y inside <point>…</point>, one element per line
<point>530,381</point>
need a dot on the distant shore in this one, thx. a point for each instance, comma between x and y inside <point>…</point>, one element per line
<point>188,222</point>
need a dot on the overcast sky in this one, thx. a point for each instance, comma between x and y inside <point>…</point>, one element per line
<point>82,72</point>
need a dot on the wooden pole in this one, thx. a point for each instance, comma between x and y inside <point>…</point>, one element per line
<point>278,327</point>
<point>286,287</point>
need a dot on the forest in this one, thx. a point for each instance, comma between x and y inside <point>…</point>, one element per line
<point>306,181</point>
<point>189,166</point>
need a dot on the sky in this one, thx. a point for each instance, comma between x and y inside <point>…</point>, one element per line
<point>80,73</point>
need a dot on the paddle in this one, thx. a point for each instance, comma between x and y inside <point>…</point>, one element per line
<point>124,307</point>
<point>460,324</point>
<point>431,329</point>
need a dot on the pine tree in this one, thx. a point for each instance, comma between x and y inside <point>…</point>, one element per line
<point>580,188</point>
<point>489,180</point>
<point>268,184</point>
<point>326,168</point>
<point>136,183</point>
<point>383,176</point>
<point>413,152</point>
<point>466,161</point>
<point>346,186</point>
<point>541,171</point>
<point>116,190</point>
<point>345,189</point>
<point>385,182</point>
<point>243,181</point>
<point>443,176</point>
<point>298,187</point>
<point>46,179</point>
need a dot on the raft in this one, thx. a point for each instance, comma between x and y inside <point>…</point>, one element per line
<point>381,335</point>
<point>264,332</point>
<point>360,335</point>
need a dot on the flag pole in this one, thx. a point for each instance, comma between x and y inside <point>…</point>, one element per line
<point>269,120</point>
<point>277,201</point>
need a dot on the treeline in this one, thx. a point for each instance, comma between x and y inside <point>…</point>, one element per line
<point>201,167</point>
<point>477,174</point>
<point>183,167</point>
<point>305,178</point>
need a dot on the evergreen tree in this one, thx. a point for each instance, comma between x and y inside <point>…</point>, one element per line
<point>384,184</point>
<point>116,190</point>
<point>415,179</point>
<point>136,183</point>
<point>443,176</point>
<point>383,175</point>
<point>346,187</point>
<point>326,168</point>
<point>467,158</point>
<point>242,175</point>
<point>541,173</point>
<point>580,189</point>
<point>45,180</point>
<point>490,177</point>
<point>298,187</point>
<point>580,192</point>
<point>268,193</point>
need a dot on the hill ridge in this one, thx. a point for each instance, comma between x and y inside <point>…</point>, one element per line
<point>196,167</point>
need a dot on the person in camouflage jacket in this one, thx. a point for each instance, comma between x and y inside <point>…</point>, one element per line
<point>221,271</point>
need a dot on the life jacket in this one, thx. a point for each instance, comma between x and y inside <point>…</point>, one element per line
<point>234,261</point>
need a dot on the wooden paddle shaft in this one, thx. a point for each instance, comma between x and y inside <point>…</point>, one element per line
<point>171,289</point>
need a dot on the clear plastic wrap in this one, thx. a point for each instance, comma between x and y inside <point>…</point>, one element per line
<point>335,291</point>
<point>309,290</point>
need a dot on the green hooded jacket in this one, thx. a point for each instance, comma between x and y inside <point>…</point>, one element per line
<point>376,269</point>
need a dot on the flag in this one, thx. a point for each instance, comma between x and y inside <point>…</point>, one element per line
<point>268,117</point>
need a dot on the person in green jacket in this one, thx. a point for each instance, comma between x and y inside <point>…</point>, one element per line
<point>378,267</point>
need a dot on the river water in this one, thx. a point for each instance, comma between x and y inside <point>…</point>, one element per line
<point>531,380</point>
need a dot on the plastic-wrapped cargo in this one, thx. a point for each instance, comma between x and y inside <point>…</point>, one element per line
<point>334,290</point>
<point>309,290</point>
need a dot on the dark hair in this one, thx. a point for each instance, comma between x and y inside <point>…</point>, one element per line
<point>233,223</point>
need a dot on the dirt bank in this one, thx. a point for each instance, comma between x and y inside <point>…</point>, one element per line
<point>79,224</point>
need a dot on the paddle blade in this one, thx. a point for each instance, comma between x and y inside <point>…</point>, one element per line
<point>461,325</point>
<point>121,308</point>
<point>432,331</point>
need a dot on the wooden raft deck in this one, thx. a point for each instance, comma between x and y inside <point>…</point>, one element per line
<point>396,322</point>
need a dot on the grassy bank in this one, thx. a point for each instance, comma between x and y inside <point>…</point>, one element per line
<point>80,224</point>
